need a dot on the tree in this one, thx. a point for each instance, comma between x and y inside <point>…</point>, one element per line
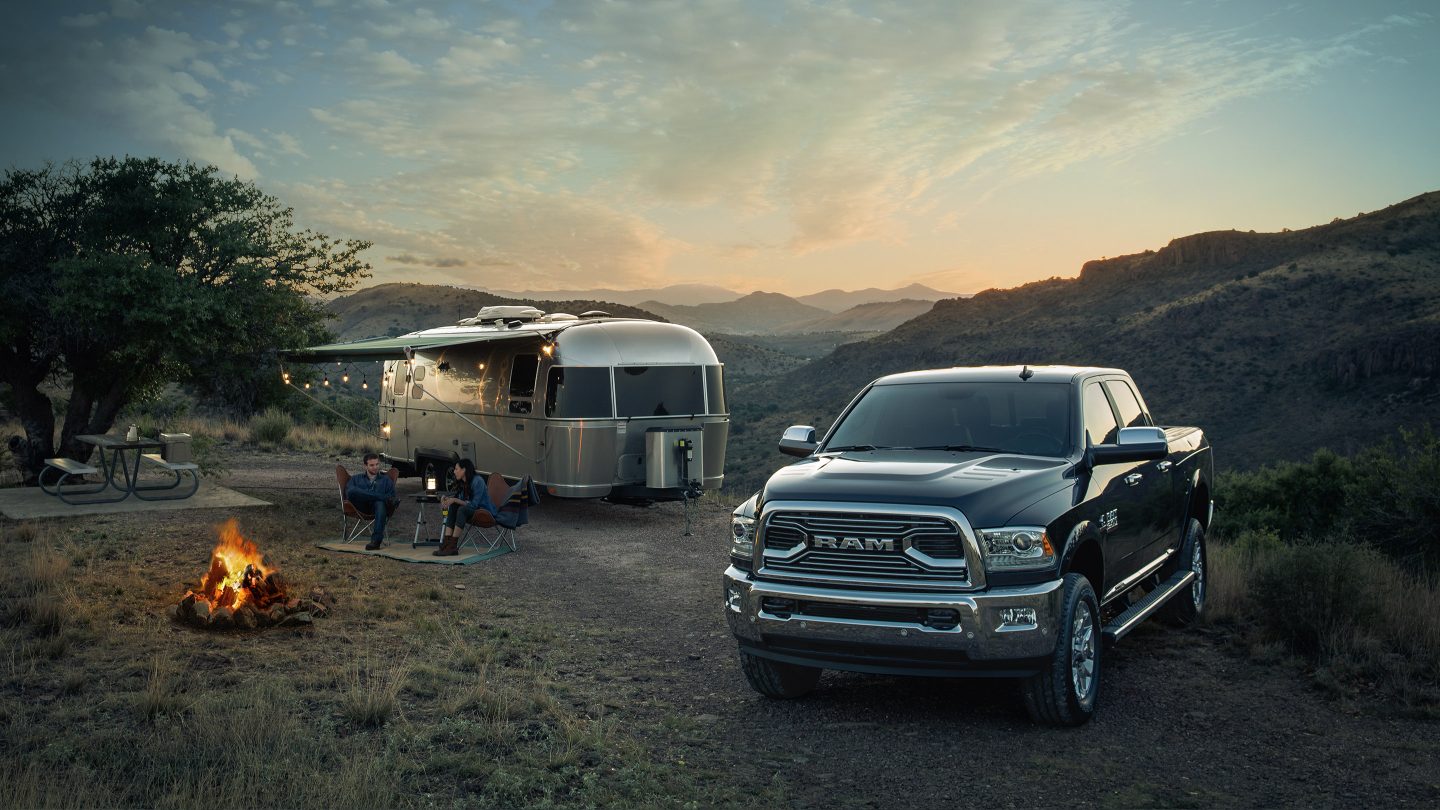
<point>123,275</point>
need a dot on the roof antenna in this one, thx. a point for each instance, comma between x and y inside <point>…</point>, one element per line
<point>1026,373</point>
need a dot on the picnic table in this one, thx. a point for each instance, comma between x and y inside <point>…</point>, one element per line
<point>119,472</point>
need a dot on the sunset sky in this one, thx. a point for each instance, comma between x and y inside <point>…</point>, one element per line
<point>778,145</point>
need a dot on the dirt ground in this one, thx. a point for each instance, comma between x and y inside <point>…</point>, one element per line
<point>637,634</point>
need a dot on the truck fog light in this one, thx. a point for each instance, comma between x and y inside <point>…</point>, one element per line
<point>733,598</point>
<point>1017,617</point>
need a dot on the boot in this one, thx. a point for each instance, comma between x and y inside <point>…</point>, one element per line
<point>449,547</point>
<point>374,545</point>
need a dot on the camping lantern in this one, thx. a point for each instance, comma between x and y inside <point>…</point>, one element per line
<point>430,483</point>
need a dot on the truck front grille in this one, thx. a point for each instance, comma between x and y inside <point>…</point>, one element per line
<point>863,547</point>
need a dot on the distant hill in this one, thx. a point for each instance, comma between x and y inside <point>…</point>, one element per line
<point>673,295</point>
<point>395,309</point>
<point>1275,343</point>
<point>881,316</point>
<point>841,300</point>
<point>756,313</point>
<point>746,360</point>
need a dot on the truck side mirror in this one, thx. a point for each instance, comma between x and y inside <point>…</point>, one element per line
<point>798,440</point>
<point>1133,444</point>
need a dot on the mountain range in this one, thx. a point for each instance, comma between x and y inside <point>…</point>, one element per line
<point>692,295</point>
<point>1275,343</point>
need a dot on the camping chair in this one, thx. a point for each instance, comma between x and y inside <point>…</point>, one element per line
<point>349,511</point>
<point>513,504</point>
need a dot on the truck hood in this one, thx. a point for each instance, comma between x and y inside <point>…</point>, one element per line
<point>988,487</point>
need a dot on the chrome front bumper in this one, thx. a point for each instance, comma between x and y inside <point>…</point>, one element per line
<point>981,636</point>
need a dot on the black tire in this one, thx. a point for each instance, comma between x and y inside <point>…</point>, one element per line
<point>777,679</point>
<point>1186,608</point>
<point>1064,693</point>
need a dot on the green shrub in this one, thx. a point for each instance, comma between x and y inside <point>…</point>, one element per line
<point>1394,498</point>
<point>1315,597</point>
<point>273,426</point>
<point>1386,496</point>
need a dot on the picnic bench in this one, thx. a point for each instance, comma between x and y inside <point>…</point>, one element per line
<point>119,473</point>
<point>69,468</point>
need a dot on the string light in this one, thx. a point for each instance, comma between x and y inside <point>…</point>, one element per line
<point>327,381</point>
<point>307,384</point>
<point>364,385</point>
<point>285,376</point>
<point>345,378</point>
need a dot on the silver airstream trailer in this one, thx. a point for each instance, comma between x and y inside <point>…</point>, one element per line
<point>589,406</point>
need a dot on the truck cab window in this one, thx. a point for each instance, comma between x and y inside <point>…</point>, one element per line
<point>1100,422</point>
<point>1131,414</point>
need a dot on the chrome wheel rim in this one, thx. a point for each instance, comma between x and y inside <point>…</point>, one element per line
<point>1082,652</point>
<point>1197,565</point>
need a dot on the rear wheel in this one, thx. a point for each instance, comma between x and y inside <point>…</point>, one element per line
<point>778,679</point>
<point>1185,608</point>
<point>1064,692</point>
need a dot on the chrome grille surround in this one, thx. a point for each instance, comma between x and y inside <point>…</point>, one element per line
<point>932,548</point>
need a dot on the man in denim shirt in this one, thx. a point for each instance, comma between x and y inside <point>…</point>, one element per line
<point>372,492</point>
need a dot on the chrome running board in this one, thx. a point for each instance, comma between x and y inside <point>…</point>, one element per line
<point>1151,602</point>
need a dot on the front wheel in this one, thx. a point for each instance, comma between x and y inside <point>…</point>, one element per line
<point>778,679</point>
<point>1064,692</point>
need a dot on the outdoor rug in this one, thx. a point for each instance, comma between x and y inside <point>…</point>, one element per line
<point>424,554</point>
<point>27,503</point>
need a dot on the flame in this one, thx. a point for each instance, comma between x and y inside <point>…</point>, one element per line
<point>237,569</point>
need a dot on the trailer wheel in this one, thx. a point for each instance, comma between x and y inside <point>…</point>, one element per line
<point>777,679</point>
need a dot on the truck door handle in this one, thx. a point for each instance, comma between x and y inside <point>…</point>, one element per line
<point>1163,466</point>
<point>1132,479</point>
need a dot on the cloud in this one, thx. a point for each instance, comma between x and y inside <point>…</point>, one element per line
<point>84,20</point>
<point>408,259</point>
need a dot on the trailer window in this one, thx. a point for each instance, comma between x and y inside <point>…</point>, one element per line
<point>522,375</point>
<point>715,389</point>
<point>658,390</point>
<point>399,369</point>
<point>578,393</point>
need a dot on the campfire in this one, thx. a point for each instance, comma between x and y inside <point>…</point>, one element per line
<point>240,590</point>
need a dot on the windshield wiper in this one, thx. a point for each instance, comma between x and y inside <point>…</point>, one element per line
<point>844,447</point>
<point>963,448</point>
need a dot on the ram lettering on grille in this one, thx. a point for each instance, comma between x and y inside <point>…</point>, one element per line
<point>855,543</point>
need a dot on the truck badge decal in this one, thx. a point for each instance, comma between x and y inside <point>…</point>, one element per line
<point>1110,520</point>
<point>852,543</point>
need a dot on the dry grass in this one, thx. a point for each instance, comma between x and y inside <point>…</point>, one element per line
<point>1360,620</point>
<point>412,692</point>
<point>372,694</point>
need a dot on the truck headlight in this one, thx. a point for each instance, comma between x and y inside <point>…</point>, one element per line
<point>742,536</point>
<point>1016,548</point>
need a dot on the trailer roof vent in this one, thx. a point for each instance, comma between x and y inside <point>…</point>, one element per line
<point>595,313</point>
<point>558,316</point>
<point>497,314</point>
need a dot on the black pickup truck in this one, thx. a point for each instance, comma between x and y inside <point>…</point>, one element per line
<point>997,521</point>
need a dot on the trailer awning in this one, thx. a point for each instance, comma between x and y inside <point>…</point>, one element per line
<point>389,348</point>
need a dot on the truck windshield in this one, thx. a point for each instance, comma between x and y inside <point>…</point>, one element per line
<point>659,390</point>
<point>1019,417</point>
